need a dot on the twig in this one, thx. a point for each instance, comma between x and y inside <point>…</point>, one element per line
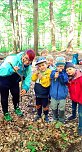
<point>19,75</point>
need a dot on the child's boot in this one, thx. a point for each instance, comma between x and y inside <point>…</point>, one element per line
<point>46,118</point>
<point>37,117</point>
<point>61,115</point>
<point>80,121</point>
<point>55,114</point>
<point>80,132</point>
<point>73,116</point>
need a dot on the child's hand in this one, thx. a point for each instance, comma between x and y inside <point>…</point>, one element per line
<point>39,75</point>
<point>56,75</point>
<point>36,71</point>
<point>60,70</point>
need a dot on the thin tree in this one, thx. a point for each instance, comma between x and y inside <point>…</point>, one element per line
<point>13,25</point>
<point>71,30</point>
<point>79,23</point>
<point>52,26</point>
<point>35,17</point>
<point>17,26</point>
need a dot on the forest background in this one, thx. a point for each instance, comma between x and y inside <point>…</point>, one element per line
<point>39,24</point>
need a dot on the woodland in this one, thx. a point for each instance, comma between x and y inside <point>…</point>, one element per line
<point>55,25</point>
<point>38,24</point>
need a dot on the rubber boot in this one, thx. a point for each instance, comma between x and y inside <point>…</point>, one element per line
<point>61,115</point>
<point>80,120</point>
<point>80,131</point>
<point>46,118</point>
<point>37,117</point>
<point>73,116</point>
<point>55,114</point>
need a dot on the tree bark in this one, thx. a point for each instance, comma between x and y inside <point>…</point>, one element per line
<point>17,27</point>
<point>71,30</point>
<point>13,26</point>
<point>52,27</point>
<point>35,17</point>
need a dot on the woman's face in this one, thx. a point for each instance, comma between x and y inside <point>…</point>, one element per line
<point>25,60</point>
<point>70,71</point>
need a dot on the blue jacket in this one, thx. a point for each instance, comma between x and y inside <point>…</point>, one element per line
<point>58,88</point>
<point>16,60</point>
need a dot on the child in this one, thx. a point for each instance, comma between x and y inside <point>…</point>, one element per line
<point>42,85</point>
<point>14,67</point>
<point>49,60</point>
<point>44,53</point>
<point>75,90</point>
<point>74,106</point>
<point>58,90</point>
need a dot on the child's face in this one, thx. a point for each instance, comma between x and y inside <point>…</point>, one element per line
<point>60,68</point>
<point>42,66</point>
<point>49,62</point>
<point>44,53</point>
<point>70,71</point>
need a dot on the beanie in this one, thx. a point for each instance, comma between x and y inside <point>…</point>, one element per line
<point>69,64</point>
<point>40,60</point>
<point>60,61</point>
<point>31,54</point>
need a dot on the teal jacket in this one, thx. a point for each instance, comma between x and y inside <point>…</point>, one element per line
<point>16,60</point>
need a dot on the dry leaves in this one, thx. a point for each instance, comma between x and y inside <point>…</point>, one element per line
<point>25,135</point>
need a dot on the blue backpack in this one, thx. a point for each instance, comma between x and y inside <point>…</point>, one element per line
<point>75,59</point>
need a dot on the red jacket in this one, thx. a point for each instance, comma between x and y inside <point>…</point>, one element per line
<point>75,87</point>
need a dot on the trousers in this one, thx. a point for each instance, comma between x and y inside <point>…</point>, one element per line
<point>9,83</point>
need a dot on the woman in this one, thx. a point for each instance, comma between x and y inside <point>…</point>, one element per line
<point>15,68</point>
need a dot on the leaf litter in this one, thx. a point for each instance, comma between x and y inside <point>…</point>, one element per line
<point>25,135</point>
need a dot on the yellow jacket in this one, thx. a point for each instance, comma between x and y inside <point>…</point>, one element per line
<point>45,80</point>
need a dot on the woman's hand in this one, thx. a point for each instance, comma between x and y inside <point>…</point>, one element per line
<point>16,68</point>
<point>23,92</point>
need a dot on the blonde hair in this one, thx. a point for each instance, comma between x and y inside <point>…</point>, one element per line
<point>44,51</point>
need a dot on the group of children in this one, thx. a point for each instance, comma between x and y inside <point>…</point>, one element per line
<point>55,83</point>
<point>52,83</point>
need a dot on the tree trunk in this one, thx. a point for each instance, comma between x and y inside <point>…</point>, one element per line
<point>52,27</point>
<point>78,39</point>
<point>20,25</point>
<point>17,27</point>
<point>12,22</point>
<point>35,17</point>
<point>71,30</point>
<point>79,23</point>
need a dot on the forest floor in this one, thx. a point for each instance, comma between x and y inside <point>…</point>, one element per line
<point>25,135</point>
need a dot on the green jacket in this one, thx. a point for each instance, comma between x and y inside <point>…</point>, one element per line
<point>16,60</point>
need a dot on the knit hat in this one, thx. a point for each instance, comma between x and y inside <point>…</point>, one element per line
<point>40,60</point>
<point>69,64</point>
<point>60,61</point>
<point>31,54</point>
